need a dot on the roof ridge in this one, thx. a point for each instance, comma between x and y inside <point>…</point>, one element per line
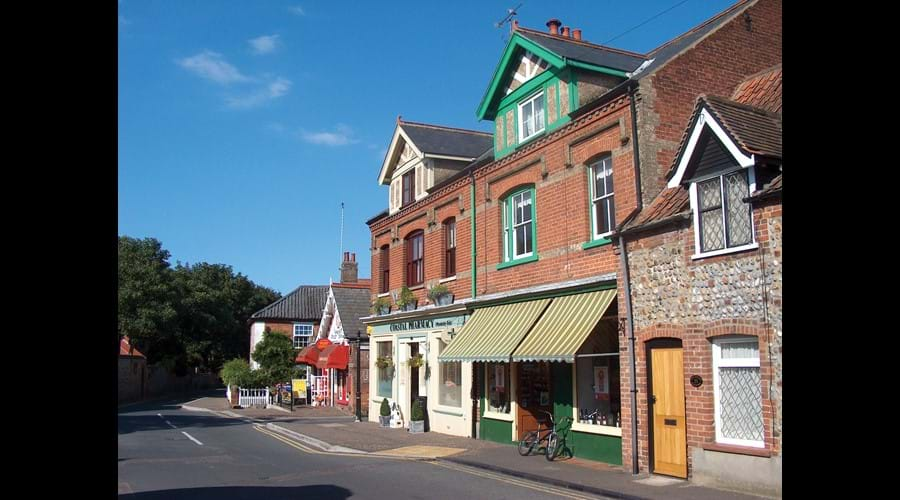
<point>700,26</point>
<point>582,42</point>
<point>285,296</point>
<point>443,127</point>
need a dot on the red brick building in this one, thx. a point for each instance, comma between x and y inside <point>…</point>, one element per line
<point>584,138</point>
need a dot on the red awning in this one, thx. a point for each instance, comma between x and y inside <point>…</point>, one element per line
<point>309,355</point>
<point>334,356</point>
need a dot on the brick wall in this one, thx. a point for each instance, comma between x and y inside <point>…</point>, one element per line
<point>713,66</point>
<point>674,296</point>
<point>132,378</point>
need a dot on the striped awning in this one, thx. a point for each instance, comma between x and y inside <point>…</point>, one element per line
<point>492,333</point>
<point>564,327</point>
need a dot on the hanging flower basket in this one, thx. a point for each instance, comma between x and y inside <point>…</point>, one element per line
<point>416,361</point>
<point>384,362</point>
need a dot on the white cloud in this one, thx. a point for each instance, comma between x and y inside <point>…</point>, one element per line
<point>274,90</point>
<point>212,66</point>
<point>264,44</point>
<point>340,137</point>
<point>296,9</point>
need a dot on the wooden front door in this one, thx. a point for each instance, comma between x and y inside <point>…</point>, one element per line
<point>533,396</point>
<point>667,402</point>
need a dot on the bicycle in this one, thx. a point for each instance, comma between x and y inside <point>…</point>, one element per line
<point>534,438</point>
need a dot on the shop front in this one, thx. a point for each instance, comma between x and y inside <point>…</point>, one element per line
<point>327,375</point>
<point>555,354</point>
<point>405,368</point>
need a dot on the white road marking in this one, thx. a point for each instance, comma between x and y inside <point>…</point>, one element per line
<point>192,438</point>
<point>166,421</point>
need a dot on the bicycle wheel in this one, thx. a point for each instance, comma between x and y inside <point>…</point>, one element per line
<point>526,445</point>
<point>552,446</point>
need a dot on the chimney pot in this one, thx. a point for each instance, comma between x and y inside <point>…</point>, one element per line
<point>565,31</point>
<point>515,24</point>
<point>554,25</point>
<point>353,257</point>
<point>576,34</point>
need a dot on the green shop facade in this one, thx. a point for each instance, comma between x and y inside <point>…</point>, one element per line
<point>540,351</point>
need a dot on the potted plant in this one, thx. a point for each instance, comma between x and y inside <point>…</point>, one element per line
<point>416,361</point>
<point>407,300</point>
<point>416,417</point>
<point>385,413</point>
<point>381,306</point>
<point>440,295</point>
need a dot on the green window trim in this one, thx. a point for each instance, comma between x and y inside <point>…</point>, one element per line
<point>596,243</point>
<point>524,260</point>
<point>508,224</point>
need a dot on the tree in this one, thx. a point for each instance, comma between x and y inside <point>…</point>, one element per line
<point>275,355</point>
<point>146,312</point>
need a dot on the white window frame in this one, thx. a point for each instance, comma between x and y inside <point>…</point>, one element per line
<point>296,335</point>
<point>510,226</point>
<point>521,118</point>
<point>695,208</point>
<point>595,199</point>
<point>718,362</point>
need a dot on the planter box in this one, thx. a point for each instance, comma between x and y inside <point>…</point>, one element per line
<point>411,306</point>
<point>385,421</point>
<point>384,310</point>
<point>444,300</point>
<point>416,426</point>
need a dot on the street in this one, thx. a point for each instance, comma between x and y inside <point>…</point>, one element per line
<point>165,452</point>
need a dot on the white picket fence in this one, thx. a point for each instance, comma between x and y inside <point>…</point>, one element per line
<point>253,397</point>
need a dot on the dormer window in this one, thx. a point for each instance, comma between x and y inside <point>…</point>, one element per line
<point>409,187</point>
<point>723,220</point>
<point>531,117</point>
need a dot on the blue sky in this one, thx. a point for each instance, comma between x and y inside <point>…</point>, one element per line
<point>243,125</point>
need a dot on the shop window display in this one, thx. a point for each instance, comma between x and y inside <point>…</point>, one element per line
<point>498,387</point>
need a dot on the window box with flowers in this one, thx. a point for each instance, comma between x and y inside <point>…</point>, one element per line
<point>381,306</point>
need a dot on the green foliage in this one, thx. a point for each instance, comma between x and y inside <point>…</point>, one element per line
<point>384,362</point>
<point>236,372</point>
<point>416,414</point>
<point>379,303</point>
<point>275,355</point>
<point>406,296</point>
<point>385,410</point>
<point>437,291</point>
<point>146,297</point>
<point>192,316</point>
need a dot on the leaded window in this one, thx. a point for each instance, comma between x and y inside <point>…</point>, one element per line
<point>738,392</point>
<point>725,219</point>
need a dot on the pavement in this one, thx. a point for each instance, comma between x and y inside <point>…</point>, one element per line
<point>331,431</point>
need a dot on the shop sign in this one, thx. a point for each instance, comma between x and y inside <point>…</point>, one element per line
<point>321,344</point>
<point>419,324</point>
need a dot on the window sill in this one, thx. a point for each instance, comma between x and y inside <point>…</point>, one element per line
<point>724,251</point>
<point>385,294</point>
<point>420,286</point>
<point>596,243</point>
<point>525,141</point>
<point>512,263</point>
<point>605,430</point>
<point>737,450</point>
<point>445,280</point>
<point>448,410</point>
<point>506,417</point>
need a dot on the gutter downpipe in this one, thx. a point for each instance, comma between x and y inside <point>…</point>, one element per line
<point>626,278</point>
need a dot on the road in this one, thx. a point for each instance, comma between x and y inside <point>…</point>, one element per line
<point>165,452</point>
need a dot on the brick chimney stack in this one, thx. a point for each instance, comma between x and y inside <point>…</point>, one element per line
<point>349,268</point>
<point>554,25</point>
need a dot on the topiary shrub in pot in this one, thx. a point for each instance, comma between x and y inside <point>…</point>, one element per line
<point>417,418</point>
<point>385,413</point>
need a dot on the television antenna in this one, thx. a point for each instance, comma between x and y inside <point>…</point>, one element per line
<point>510,14</point>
